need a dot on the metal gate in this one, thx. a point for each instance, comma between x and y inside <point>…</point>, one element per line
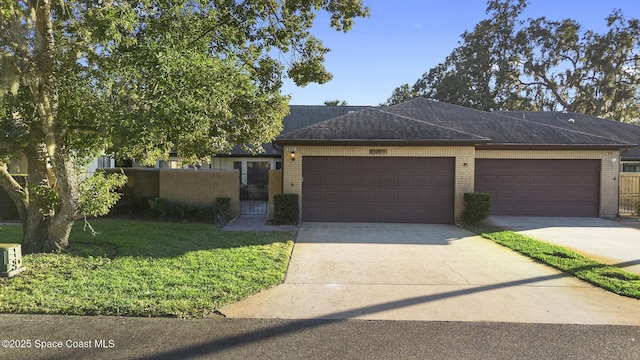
<point>629,193</point>
<point>254,189</point>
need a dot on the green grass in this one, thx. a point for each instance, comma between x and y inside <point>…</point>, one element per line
<point>605,276</point>
<point>139,268</point>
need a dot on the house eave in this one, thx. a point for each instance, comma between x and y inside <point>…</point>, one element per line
<point>504,146</point>
<point>379,142</point>
<point>248,155</point>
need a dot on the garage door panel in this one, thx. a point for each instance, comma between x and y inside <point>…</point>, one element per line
<point>540,187</point>
<point>416,190</point>
<point>317,197</point>
<point>402,180</point>
<point>385,181</point>
<point>385,197</point>
<point>405,197</point>
<point>348,197</point>
<point>331,197</point>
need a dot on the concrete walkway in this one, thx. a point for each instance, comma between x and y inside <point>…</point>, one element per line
<point>425,272</point>
<point>610,242</point>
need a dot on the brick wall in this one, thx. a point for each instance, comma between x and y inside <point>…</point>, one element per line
<point>609,170</point>
<point>275,187</point>
<point>141,182</point>
<point>201,186</point>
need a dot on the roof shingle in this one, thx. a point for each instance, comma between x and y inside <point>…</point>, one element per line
<point>626,133</point>
<point>424,120</point>
<point>375,125</point>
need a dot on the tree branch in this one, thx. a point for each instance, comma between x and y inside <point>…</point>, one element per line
<point>16,192</point>
<point>550,86</point>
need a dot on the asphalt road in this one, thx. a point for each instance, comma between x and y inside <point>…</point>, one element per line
<point>217,338</point>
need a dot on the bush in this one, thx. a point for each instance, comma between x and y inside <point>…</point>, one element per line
<point>222,209</point>
<point>286,209</point>
<point>476,207</point>
<point>218,212</point>
<point>160,208</point>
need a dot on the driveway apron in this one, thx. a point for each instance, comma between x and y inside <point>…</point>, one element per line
<point>425,272</point>
<point>610,242</point>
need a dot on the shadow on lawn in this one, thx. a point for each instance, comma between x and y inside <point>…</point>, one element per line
<point>137,238</point>
<point>173,248</point>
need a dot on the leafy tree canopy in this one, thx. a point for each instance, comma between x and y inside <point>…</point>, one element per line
<point>138,79</point>
<point>511,63</point>
<point>335,103</point>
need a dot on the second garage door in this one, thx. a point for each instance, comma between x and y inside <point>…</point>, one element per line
<point>352,189</point>
<point>540,187</point>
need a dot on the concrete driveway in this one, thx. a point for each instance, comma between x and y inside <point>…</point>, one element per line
<point>610,242</point>
<point>425,272</point>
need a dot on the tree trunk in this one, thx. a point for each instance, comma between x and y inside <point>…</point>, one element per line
<point>43,234</point>
<point>52,184</point>
<point>49,220</point>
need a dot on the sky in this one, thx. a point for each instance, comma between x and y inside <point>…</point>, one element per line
<point>403,39</point>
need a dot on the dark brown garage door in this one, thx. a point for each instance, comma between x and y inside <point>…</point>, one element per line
<point>540,187</point>
<point>407,190</point>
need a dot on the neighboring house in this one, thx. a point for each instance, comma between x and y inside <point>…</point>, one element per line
<point>299,116</point>
<point>629,158</point>
<point>253,168</point>
<point>414,161</point>
<point>269,159</point>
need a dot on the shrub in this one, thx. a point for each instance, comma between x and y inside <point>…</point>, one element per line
<point>222,207</point>
<point>159,208</point>
<point>476,207</point>
<point>286,209</point>
<point>218,212</point>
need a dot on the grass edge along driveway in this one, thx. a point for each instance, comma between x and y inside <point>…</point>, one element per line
<point>604,276</point>
<point>144,268</point>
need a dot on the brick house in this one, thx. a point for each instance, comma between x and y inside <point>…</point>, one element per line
<point>413,162</point>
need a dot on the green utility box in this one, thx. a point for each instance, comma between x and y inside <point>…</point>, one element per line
<point>10,260</point>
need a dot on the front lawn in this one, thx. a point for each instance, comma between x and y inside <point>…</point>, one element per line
<point>605,276</point>
<point>139,268</point>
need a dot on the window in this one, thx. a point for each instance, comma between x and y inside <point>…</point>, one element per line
<point>104,161</point>
<point>631,168</point>
<point>124,163</point>
<point>169,164</point>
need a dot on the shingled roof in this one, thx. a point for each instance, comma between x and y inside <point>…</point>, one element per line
<point>627,133</point>
<point>378,125</point>
<point>300,116</point>
<point>428,121</point>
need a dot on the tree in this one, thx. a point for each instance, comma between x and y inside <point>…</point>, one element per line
<point>335,103</point>
<point>582,71</point>
<point>401,94</point>
<point>536,64</point>
<point>141,78</point>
